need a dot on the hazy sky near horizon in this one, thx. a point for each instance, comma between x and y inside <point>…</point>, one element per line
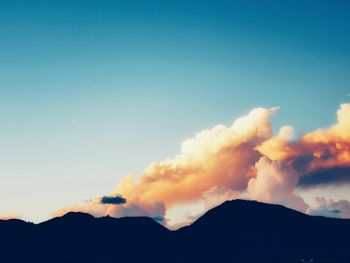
<point>93,90</point>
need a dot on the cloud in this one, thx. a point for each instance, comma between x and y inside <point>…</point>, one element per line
<point>243,160</point>
<point>331,208</point>
<point>275,183</point>
<point>136,208</point>
<point>217,195</point>
<point>115,200</point>
<point>158,218</point>
<point>326,176</point>
<point>321,149</point>
<point>221,156</point>
<point>9,216</point>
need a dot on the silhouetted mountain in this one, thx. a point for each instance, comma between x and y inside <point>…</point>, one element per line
<point>249,231</point>
<point>236,231</point>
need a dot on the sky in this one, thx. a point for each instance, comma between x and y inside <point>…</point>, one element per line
<point>91,91</point>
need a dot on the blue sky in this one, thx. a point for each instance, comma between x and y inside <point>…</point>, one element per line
<point>93,90</point>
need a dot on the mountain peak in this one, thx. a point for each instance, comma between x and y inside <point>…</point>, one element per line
<point>77,215</point>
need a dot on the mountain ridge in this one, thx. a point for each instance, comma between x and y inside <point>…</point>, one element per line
<point>235,231</point>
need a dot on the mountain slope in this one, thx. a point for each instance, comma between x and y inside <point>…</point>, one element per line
<point>250,231</point>
<point>236,231</point>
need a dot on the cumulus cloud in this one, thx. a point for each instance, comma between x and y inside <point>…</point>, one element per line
<point>221,156</point>
<point>321,149</point>
<point>275,183</point>
<point>244,159</point>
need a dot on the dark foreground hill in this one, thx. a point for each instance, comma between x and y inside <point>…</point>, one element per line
<point>236,231</point>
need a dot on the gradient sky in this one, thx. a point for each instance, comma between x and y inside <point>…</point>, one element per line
<point>93,90</point>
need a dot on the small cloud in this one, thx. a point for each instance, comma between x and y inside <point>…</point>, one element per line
<point>158,218</point>
<point>113,200</point>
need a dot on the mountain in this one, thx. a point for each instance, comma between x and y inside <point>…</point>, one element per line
<point>249,231</point>
<point>235,231</point>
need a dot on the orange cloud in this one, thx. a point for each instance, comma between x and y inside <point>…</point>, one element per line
<point>9,216</point>
<point>243,160</point>
<point>222,156</point>
<point>322,148</point>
